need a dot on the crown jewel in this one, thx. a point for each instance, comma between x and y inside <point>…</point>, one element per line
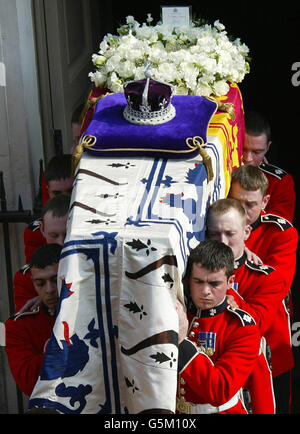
<point>148,101</point>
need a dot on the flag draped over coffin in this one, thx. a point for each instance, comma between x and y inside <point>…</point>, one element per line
<point>132,223</point>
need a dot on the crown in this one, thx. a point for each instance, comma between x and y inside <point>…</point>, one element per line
<point>148,101</point>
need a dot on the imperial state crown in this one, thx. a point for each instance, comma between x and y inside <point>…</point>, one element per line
<point>148,101</point>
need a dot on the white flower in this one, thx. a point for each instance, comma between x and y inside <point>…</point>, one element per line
<point>112,62</point>
<point>114,83</point>
<point>220,87</point>
<point>190,73</point>
<point>98,60</point>
<point>203,89</point>
<point>146,32</point>
<point>130,19</point>
<point>198,60</point>
<point>131,22</point>
<point>98,78</point>
<point>125,69</point>
<point>139,73</point>
<point>166,72</point>
<point>219,26</point>
<point>149,18</point>
<point>103,46</point>
<point>181,90</point>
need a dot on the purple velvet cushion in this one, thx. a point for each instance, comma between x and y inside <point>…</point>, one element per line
<point>114,136</point>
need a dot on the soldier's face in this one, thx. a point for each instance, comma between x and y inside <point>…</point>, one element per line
<point>255,149</point>
<point>208,288</point>
<point>54,228</point>
<point>60,186</point>
<point>229,229</point>
<point>45,283</point>
<point>253,202</point>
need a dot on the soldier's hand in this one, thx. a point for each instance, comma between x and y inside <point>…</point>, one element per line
<point>231,301</point>
<point>31,304</point>
<point>183,321</point>
<point>252,257</point>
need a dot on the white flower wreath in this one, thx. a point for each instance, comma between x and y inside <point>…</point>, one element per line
<point>199,60</point>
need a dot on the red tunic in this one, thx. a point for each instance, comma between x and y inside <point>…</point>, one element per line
<point>282,191</point>
<point>260,291</point>
<point>260,386</point>
<point>45,192</point>
<point>26,336</point>
<point>274,240</point>
<point>214,379</point>
<point>33,239</point>
<point>23,287</point>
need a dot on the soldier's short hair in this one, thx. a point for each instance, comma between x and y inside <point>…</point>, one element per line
<point>251,178</point>
<point>222,206</point>
<point>212,255</point>
<point>256,124</point>
<point>46,255</point>
<point>59,167</point>
<point>58,205</point>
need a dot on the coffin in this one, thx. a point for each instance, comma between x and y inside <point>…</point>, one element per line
<point>132,223</point>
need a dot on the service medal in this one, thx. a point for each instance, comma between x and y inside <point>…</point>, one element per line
<point>206,342</point>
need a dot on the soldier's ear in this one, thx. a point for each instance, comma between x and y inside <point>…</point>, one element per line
<point>248,230</point>
<point>265,201</point>
<point>42,229</point>
<point>231,281</point>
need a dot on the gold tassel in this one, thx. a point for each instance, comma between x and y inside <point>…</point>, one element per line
<point>205,157</point>
<point>207,163</point>
<point>226,107</point>
<point>87,141</point>
<point>76,157</point>
<point>89,104</point>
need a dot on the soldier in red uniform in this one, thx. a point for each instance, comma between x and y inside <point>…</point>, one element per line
<point>27,334</point>
<point>33,238</point>
<point>223,344</point>
<point>56,180</point>
<point>255,284</point>
<point>24,289</point>
<point>58,175</point>
<point>274,240</point>
<point>259,289</point>
<point>281,184</point>
<point>53,228</point>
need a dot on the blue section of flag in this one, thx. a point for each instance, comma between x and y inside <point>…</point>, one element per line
<point>72,358</point>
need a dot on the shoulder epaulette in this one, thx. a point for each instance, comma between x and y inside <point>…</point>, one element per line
<point>34,226</point>
<point>245,317</point>
<point>262,268</point>
<point>273,170</point>
<point>280,221</point>
<point>24,269</point>
<point>18,315</point>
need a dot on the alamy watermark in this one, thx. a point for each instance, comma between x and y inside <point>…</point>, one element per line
<point>295,331</point>
<point>296,74</point>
